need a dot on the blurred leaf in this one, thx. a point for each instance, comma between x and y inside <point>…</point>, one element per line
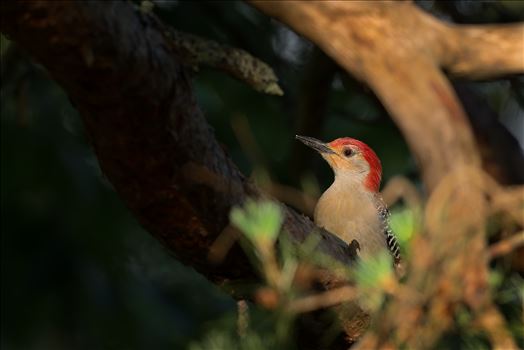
<point>259,221</point>
<point>372,274</point>
<point>495,278</point>
<point>404,223</point>
<point>373,271</point>
<point>4,44</point>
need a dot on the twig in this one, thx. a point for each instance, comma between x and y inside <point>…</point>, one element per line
<point>196,51</point>
<point>243,318</point>
<point>506,246</point>
<point>510,201</point>
<point>495,326</point>
<point>222,244</point>
<point>326,299</point>
<point>400,187</point>
<point>246,139</point>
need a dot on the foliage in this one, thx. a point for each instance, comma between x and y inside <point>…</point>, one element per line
<point>260,222</point>
<point>405,222</point>
<point>372,276</point>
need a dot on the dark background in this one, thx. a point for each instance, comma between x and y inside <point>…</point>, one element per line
<point>77,271</point>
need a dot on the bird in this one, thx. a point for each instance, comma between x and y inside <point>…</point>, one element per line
<point>352,207</point>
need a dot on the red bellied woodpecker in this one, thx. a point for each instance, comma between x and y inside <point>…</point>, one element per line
<point>352,208</point>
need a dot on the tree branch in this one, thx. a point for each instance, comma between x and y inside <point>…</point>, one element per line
<point>196,51</point>
<point>507,245</point>
<point>484,52</point>
<point>375,42</point>
<point>121,72</point>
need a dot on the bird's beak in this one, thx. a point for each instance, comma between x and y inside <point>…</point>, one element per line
<point>317,145</point>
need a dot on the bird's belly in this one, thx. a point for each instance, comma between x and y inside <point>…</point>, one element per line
<point>353,218</point>
<point>369,236</point>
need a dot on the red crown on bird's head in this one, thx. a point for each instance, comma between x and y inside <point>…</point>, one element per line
<point>372,181</point>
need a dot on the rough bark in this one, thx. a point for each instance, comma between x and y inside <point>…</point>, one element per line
<point>122,73</point>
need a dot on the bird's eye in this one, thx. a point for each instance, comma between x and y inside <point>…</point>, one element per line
<point>348,152</point>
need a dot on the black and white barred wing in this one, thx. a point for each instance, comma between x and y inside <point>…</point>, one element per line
<point>391,239</point>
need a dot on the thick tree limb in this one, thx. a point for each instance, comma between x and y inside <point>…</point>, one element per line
<point>152,141</point>
<point>484,52</point>
<point>398,51</point>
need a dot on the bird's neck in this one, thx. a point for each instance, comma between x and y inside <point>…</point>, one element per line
<point>345,199</point>
<point>348,186</point>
